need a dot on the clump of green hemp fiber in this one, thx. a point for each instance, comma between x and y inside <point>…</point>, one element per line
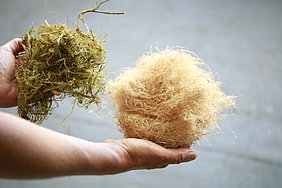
<point>60,62</point>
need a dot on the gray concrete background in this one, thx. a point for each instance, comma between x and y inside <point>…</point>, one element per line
<point>240,40</point>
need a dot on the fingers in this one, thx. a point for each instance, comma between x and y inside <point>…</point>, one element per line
<point>15,46</point>
<point>177,156</point>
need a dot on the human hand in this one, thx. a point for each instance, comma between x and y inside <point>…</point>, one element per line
<point>131,154</point>
<point>8,62</point>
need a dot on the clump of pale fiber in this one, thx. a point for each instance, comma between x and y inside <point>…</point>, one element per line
<point>170,98</point>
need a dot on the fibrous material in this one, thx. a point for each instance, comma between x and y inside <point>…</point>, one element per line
<point>60,61</point>
<point>170,98</point>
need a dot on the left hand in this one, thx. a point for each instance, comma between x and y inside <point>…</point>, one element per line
<point>8,62</point>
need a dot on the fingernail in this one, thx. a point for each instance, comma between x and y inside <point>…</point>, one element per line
<point>192,155</point>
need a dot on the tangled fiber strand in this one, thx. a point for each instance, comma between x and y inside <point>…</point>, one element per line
<point>59,62</point>
<point>168,99</point>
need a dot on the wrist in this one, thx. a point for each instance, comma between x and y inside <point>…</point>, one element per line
<point>8,95</point>
<point>106,158</point>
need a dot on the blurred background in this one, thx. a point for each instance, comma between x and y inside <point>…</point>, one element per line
<point>239,40</point>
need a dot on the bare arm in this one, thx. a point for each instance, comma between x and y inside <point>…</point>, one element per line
<point>30,151</point>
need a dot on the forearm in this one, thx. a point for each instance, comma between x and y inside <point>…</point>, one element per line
<point>30,151</point>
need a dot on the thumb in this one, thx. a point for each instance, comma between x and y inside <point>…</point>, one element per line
<point>180,155</point>
<point>14,46</point>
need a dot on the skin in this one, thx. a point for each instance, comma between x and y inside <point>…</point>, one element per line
<point>31,151</point>
<point>8,61</point>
